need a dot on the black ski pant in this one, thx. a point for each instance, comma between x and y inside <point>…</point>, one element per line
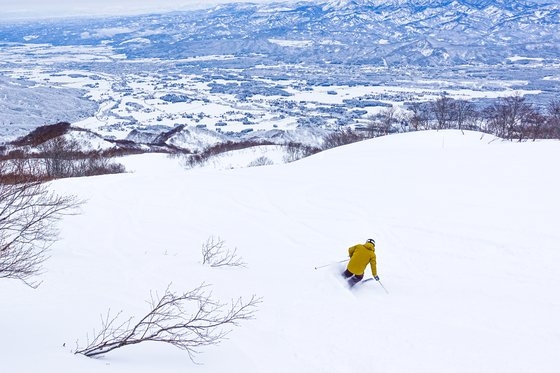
<point>352,278</point>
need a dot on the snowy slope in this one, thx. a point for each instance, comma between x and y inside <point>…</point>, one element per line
<point>467,246</point>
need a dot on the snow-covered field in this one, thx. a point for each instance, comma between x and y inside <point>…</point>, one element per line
<point>467,246</point>
<point>112,95</point>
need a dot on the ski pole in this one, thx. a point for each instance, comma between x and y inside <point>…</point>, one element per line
<point>382,286</point>
<point>330,264</point>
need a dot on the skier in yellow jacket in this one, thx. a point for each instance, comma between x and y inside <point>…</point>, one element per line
<point>360,256</point>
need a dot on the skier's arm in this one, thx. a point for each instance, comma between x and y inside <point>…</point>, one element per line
<point>373,264</point>
<point>351,251</point>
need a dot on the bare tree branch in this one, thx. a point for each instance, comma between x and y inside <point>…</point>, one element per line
<point>187,321</point>
<point>508,116</point>
<point>444,110</point>
<point>28,213</point>
<point>215,255</point>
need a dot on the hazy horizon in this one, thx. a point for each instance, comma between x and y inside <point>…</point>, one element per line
<point>29,9</point>
<point>13,9</point>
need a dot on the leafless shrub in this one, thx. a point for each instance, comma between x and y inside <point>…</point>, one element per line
<point>28,213</point>
<point>342,137</point>
<point>444,111</point>
<point>508,116</point>
<point>420,117</point>
<point>385,120</point>
<point>98,165</point>
<point>64,158</point>
<point>20,171</point>
<point>553,119</point>
<point>534,127</point>
<point>187,321</point>
<point>215,255</point>
<point>553,109</point>
<point>465,114</point>
<point>193,160</point>
<point>261,161</point>
<point>58,155</point>
<point>296,151</point>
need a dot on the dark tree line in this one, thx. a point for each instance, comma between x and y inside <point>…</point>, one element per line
<point>511,118</point>
<point>508,118</point>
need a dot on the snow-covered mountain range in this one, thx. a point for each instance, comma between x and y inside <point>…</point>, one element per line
<point>243,67</point>
<point>394,32</point>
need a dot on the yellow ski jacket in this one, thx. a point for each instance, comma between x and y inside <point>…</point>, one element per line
<point>360,256</point>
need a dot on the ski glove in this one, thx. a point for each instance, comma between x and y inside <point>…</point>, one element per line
<point>376,278</point>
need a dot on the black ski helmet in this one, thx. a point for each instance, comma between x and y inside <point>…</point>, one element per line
<point>371,240</point>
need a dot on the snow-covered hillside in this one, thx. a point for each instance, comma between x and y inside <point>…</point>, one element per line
<point>467,246</point>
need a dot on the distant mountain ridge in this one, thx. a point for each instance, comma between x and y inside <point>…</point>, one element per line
<point>394,32</point>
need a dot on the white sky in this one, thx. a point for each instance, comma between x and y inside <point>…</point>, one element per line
<point>42,8</point>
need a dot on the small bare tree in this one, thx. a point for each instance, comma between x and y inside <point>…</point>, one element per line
<point>553,109</point>
<point>382,123</point>
<point>187,321</point>
<point>553,122</point>
<point>444,111</point>
<point>534,127</point>
<point>420,116</point>
<point>507,117</point>
<point>296,151</point>
<point>28,213</point>
<point>464,113</point>
<point>59,156</point>
<point>215,255</point>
